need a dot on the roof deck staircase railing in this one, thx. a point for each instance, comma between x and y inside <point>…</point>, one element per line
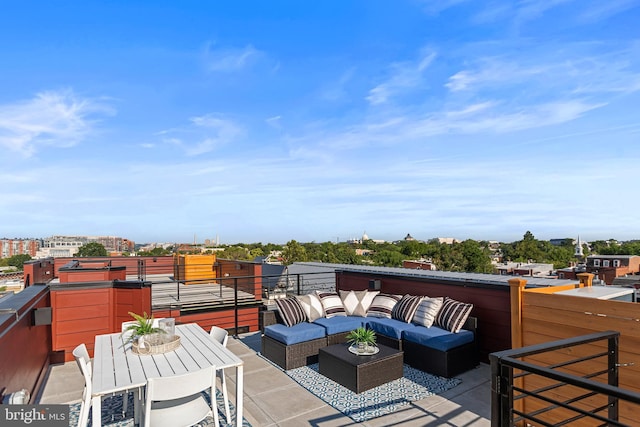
<point>592,402</point>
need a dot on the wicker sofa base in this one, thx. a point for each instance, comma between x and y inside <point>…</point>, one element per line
<point>294,355</point>
<point>442,363</point>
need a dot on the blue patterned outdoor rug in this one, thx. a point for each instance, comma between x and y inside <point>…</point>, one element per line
<point>112,413</point>
<point>378,401</point>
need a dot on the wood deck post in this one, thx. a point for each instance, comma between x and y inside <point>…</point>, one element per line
<point>517,286</point>
<point>586,279</point>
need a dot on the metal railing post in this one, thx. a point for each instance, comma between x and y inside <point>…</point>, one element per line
<point>495,391</point>
<point>298,284</point>
<point>613,375</point>
<point>235,305</point>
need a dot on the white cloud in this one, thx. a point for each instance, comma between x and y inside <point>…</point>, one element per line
<point>230,59</point>
<point>434,7</point>
<point>51,118</point>
<point>532,9</point>
<point>404,77</point>
<point>203,134</point>
<point>274,122</point>
<point>600,10</point>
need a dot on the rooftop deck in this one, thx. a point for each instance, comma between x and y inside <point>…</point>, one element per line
<point>274,399</point>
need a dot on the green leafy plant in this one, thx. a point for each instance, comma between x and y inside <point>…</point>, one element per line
<point>361,335</point>
<point>143,326</point>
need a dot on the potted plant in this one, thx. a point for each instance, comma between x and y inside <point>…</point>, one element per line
<point>141,326</point>
<point>362,338</point>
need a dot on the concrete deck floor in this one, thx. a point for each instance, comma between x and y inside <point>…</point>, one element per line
<point>274,399</point>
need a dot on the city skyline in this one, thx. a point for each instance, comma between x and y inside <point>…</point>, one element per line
<point>158,121</point>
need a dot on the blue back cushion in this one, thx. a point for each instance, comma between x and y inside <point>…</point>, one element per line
<point>295,334</point>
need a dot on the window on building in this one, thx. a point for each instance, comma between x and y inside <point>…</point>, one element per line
<point>616,263</point>
<point>605,263</point>
<point>596,263</point>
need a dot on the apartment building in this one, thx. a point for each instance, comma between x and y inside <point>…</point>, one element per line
<point>11,247</point>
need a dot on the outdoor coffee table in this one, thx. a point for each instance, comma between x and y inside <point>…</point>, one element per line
<point>360,373</point>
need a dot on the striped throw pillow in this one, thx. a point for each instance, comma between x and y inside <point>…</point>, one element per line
<point>291,311</point>
<point>332,304</point>
<point>382,305</point>
<point>453,314</point>
<point>406,308</point>
<point>427,311</point>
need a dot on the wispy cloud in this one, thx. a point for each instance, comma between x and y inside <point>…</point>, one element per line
<point>434,7</point>
<point>203,134</point>
<point>337,91</point>
<point>532,9</point>
<point>404,76</point>
<point>51,118</point>
<point>575,69</point>
<point>274,122</point>
<point>601,10</point>
<point>221,59</point>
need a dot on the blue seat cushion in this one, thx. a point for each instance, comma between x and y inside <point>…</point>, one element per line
<point>389,327</point>
<point>437,338</point>
<point>295,334</point>
<point>338,324</point>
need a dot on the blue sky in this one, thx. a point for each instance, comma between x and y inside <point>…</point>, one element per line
<point>262,121</point>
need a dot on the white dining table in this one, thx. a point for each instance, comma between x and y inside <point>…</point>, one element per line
<point>116,368</point>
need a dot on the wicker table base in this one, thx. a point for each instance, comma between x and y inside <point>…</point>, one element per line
<point>360,373</point>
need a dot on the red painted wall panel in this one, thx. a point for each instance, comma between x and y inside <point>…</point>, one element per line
<point>24,354</point>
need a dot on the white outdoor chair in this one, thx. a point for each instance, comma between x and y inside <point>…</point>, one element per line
<point>83,360</point>
<point>222,336</point>
<point>178,400</point>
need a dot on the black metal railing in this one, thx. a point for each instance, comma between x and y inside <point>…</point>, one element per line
<point>565,398</point>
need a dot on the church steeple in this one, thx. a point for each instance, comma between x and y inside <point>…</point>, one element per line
<point>579,251</point>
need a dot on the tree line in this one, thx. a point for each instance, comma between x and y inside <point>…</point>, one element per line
<point>465,256</point>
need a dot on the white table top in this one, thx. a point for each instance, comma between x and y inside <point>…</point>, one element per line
<point>117,368</point>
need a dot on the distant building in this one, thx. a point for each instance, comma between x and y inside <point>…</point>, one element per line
<point>68,246</point>
<point>523,269</point>
<point>447,240</point>
<point>419,264</point>
<point>560,242</point>
<point>11,247</point>
<point>608,267</point>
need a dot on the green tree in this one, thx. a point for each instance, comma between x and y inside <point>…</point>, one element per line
<point>155,252</point>
<point>18,260</point>
<point>529,248</point>
<point>388,258</point>
<point>92,249</point>
<point>477,258</point>
<point>293,252</point>
<point>236,253</point>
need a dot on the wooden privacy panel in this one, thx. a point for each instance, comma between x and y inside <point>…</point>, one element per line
<point>78,316</point>
<point>549,317</point>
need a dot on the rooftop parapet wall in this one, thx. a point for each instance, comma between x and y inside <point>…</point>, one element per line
<point>24,358</point>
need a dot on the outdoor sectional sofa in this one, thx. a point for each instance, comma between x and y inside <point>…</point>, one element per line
<point>446,347</point>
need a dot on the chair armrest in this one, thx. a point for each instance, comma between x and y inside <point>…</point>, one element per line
<point>471,324</point>
<point>270,317</point>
